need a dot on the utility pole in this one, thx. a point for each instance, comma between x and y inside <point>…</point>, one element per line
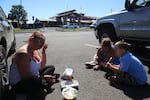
<point>111,10</point>
<point>67,6</point>
<point>20,2</point>
<point>81,9</point>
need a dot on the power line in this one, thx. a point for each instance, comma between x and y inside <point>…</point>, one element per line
<point>20,2</point>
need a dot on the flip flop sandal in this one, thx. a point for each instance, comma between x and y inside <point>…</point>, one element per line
<point>48,76</point>
<point>88,66</point>
<point>50,80</point>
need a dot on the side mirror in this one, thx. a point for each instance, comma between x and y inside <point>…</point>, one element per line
<point>131,5</point>
<point>127,5</point>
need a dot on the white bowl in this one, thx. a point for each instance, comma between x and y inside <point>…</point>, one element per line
<point>69,93</point>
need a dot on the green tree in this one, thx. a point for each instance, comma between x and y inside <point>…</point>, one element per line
<point>18,13</point>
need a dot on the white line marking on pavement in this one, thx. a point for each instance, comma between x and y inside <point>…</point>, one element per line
<point>91,45</point>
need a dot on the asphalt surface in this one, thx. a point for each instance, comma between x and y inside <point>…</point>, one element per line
<point>74,49</point>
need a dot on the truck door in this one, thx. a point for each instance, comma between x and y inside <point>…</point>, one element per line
<point>135,23</point>
<point>7,29</point>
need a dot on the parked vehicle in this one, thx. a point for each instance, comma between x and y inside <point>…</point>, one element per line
<point>71,25</point>
<point>31,26</point>
<point>7,48</point>
<point>27,26</point>
<point>131,24</point>
<point>92,25</point>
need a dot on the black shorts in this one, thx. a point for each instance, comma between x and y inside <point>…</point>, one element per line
<point>34,85</point>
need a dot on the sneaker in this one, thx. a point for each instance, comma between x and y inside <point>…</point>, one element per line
<point>90,64</point>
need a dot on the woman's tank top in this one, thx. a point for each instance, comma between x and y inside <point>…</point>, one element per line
<point>14,76</point>
<point>34,67</point>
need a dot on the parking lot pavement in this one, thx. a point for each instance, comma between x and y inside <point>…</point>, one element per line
<point>74,49</point>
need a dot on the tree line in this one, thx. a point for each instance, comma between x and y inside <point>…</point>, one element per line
<point>19,14</point>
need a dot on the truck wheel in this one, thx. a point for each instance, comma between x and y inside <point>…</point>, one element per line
<point>4,90</point>
<point>3,57</point>
<point>110,33</point>
<point>3,65</point>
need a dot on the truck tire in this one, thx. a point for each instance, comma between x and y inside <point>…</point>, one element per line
<point>107,32</point>
<point>3,57</point>
<point>3,65</point>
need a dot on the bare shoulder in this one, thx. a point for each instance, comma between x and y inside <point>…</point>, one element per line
<point>21,53</point>
<point>37,53</point>
<point>22,49</point>
<point>22,57</point>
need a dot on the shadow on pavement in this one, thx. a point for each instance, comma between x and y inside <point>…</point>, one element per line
<point>147,64</point>
<point>136,93</point>
<point>35,96</point>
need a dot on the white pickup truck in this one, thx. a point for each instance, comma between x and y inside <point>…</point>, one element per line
<point>131,24</point>
<point>7,48</point>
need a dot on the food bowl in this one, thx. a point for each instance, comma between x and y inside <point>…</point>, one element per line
<point>69,93</point>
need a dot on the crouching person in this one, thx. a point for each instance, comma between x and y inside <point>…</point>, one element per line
<point>28,73</point>
<point>103,55</point>
<point>130,71</point>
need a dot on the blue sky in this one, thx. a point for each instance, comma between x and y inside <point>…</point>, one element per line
<point>48,8</point>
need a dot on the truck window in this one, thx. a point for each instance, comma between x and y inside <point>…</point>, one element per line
<point>2,15</point>
<point>143,3</point>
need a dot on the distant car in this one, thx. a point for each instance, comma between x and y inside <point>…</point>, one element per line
<point>27,26</point>
<point>7,48</point>
<point>71,25</point>
<point>31,26</point>
<point>92,25</point>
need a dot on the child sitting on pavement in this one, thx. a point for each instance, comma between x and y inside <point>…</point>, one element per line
<point>130,71</point>
<point>103,55</point>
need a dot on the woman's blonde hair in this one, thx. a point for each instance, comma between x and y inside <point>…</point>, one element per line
<point>36,34</point>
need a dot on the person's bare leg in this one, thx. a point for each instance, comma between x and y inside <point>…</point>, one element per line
<point>97,67</point>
